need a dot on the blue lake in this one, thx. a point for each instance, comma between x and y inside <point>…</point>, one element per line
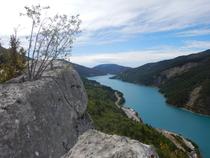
<point>152,108</point>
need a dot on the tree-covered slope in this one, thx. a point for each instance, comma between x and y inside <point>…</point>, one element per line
<point>85,71</point>
<point>98,70</point>
<point>111,68</point>
<point>108,118</point>
<point>183,80</point>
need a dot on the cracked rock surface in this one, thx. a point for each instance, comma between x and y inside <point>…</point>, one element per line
<point>42,118</point>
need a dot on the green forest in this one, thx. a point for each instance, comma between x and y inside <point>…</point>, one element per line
<point>108,118</point>
<point>177,89</point>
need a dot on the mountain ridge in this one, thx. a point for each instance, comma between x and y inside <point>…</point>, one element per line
<point>111,68</point>
<point>98,70</point>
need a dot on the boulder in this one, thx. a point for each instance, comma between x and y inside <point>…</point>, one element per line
<point>42,118</point>
<point>95,144</point>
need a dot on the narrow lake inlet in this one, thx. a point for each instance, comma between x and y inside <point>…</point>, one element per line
<point>152,108</point>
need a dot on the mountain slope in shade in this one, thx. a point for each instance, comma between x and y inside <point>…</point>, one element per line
<point>83,70</point>
<point>111,68</point>
<point>86,71</point>
<point>98,70</point>
<point>185,80</point>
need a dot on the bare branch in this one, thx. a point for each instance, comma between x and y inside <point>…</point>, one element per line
<point>50,38</point>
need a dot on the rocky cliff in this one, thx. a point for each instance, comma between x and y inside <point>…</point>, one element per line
<point>42,118</point>
<point>95,144</point>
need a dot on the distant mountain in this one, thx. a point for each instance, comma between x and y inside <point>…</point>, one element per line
<point>185,80</point>
<point>111,68</point>
<point>98,70</point>
<point>85,71</point>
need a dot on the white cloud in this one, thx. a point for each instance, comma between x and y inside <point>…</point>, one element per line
<point>108,21</point>
<point>125,17</point>
<point>130,58</point>
<point>140,57</point>
<point>194,32</point>
<point>195,44</point>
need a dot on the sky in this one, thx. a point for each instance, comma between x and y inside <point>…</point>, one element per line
<point>129,33</point>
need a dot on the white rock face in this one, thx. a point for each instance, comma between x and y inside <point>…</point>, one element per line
<point>95,144</point>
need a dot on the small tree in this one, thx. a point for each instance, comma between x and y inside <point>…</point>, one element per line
<point>14,46</point>
<point>50,38</point>
<point>12,63</point>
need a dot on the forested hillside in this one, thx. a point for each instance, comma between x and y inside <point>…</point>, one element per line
<point>185,80</point>
<point>86,71</point>
<point>111,68</point>
<point>98,70</point>
<point>108,118</point>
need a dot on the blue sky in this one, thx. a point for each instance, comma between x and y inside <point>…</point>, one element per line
<point>125,32</point>
<point>151,47</point>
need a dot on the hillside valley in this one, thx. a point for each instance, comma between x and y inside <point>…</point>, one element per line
<point>185,80</point>
<point>98,70</point>
<point>111,68</point>
<point>111,119</point>
<point>53,116</point>
<point>105,79</point>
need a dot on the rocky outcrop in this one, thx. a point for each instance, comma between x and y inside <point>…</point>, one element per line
<point>181,143</point>
<point>42,118</point>
<point>193,97</point>
<point>95,144</point>
<point>172,72</point>
<point>199,101</point>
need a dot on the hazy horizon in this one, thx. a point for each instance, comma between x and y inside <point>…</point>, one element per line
<point>140,64</point>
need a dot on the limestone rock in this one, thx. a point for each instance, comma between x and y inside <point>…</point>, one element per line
<point>42,118</point>
<point>95,144</point>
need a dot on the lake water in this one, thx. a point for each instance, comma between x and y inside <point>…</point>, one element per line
<point>152,108</point>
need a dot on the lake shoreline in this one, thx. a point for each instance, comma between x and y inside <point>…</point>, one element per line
<point>180,141</point>
<point>131,113</point>
<point>150,103</point>
<point>157,88</point>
